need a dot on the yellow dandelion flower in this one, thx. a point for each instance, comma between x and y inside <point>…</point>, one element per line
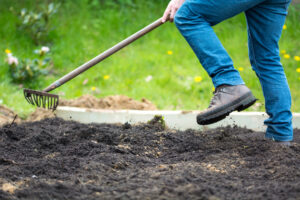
<point>7,51</point>
<point>170,52</point>
<point>213,89</point>
<point>298,70</point>
<point>241,69</point>
<point>106,77</point>
<point>287,56</point>
<point>297,58</point>
<point>283,51</point>
<point>94,88</point>
<point>198,79</point>
<point>284,27</point>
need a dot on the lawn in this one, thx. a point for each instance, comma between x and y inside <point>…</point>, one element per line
<point>160,66</point>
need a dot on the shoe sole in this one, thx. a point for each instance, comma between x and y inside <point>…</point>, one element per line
<point>240,104</point>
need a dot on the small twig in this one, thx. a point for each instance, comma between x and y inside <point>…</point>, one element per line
<point>3,160</point>
<point>13,121</point>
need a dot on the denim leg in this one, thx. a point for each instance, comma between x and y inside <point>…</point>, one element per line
<point>265,22</point>
<point>194,20</point>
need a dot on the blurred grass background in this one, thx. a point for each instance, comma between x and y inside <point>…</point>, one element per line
<point>85,28</point>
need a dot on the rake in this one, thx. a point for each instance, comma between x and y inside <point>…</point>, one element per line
<point>51,101</point>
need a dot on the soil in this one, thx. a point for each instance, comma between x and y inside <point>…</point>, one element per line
<point>57,159</point>
<point>110,102</point>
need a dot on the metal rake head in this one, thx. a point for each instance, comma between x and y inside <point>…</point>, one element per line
<point>41,99</point>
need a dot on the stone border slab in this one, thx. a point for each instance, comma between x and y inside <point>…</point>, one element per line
<point>181,120</point>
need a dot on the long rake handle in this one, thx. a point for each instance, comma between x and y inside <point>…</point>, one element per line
<point>103,55</point>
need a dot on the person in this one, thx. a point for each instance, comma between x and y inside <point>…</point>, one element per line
<point>265,19</point>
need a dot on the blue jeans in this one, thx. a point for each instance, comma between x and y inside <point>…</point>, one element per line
<point>265,19</point>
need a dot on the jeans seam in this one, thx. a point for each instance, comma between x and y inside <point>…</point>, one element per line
<point>253,53</point>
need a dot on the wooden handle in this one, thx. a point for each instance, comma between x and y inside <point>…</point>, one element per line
<point>103,55</point>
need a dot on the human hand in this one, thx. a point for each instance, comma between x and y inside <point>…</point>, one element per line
<point>171,10</point>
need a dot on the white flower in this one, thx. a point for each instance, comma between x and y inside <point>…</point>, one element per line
<point>45,49</point>
<point>12,60</point>
<point>148,78</point>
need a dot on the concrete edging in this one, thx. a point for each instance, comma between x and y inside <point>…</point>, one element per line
<point>181,120</point>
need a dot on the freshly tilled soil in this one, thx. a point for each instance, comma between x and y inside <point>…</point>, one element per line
<point>57,159</point>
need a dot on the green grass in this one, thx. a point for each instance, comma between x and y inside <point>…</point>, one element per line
<point>84,30</point>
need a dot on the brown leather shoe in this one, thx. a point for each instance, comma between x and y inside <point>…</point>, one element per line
<point>226,99</point>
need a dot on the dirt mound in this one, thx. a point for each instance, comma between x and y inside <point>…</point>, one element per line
<point>7,116</point>
<point>57,159</point>
<point>110,102</point>
<point>40,114</point>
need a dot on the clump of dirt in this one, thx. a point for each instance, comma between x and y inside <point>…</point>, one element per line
<point>40,114</point>
<point>8,116</point>
<point>110,102</point>
<point>157,122</point>
<point>57,159</point>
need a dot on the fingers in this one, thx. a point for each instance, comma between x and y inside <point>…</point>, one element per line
<point>172,15</point>
<point>170,12</point>
<point>166,14</point>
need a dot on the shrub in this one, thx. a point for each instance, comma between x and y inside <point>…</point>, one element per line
<point>28,70</point>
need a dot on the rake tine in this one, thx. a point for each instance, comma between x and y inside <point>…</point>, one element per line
<point>31,100</point>
<point>44,102</point>
<point>48,100</point>
<point>40,99</point>
<point>52,105</point>
<point>56,103</point>
<point>49,103</point>
<point>28,98</point>
<point>35,99</point>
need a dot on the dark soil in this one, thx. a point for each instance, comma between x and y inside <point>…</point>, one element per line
<point>57,159</point>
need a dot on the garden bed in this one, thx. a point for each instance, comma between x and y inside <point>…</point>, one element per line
<point>57,159</point>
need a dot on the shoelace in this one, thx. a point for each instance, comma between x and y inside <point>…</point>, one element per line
<point>213,100</point>
<point>216,95</point>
